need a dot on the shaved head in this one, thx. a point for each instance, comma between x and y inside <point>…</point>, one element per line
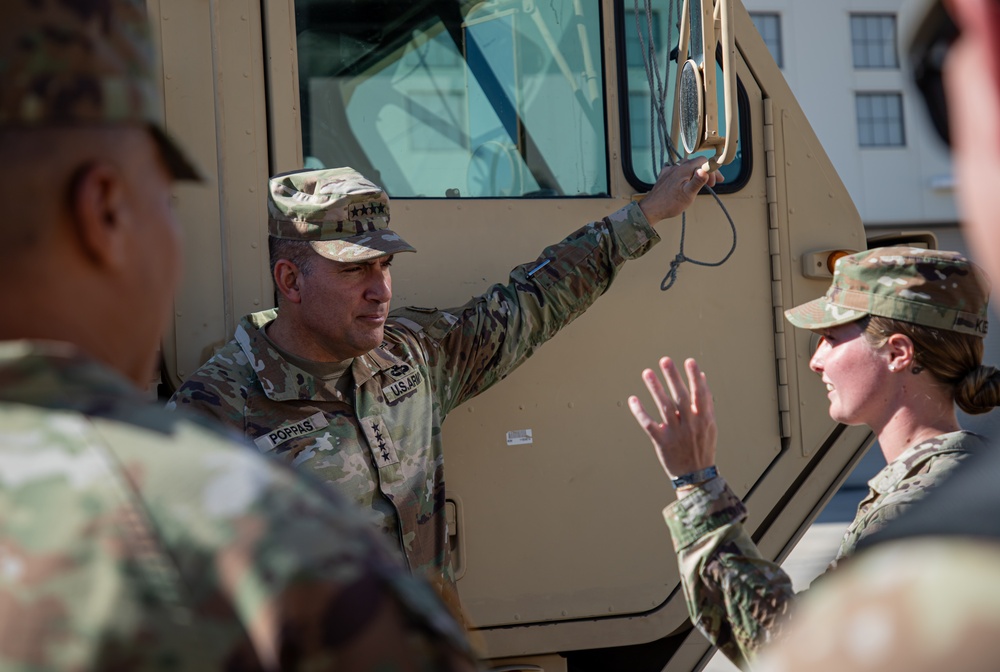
<point>89,246</point>
<point>38,171</point>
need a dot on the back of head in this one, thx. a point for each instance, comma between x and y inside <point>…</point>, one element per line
<point>73,77</point>
<point>85,171</point>
<point>954,359</point>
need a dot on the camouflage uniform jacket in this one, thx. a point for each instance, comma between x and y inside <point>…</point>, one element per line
<point>920,595</point>
<point>383,446</point>
<point>736,597</point>
<point>132,538</point>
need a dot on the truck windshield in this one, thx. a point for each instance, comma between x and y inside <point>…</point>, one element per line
<point>445,98</point>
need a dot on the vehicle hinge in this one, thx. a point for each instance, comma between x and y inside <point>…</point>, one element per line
<point>774,248</point>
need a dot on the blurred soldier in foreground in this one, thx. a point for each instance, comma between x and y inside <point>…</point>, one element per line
<point>334,384</point>
<point>925,594</point>
<point>132,538</point>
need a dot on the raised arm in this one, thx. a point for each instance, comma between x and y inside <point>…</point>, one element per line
<point>736,598</point>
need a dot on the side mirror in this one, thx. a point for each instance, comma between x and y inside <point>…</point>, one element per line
<point>706,28</point>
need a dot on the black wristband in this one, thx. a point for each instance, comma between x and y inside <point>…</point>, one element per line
<point>695,477</point>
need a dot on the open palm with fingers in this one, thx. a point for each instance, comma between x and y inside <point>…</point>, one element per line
<point>684,436</point>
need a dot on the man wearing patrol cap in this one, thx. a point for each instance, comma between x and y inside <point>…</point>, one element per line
<point>133,538</point>
<point>345,215</point>
<point>901,345</point>
<point>334,384</point>
<point>338,215</point>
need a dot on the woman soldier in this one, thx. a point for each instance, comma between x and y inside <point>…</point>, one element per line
<point>901,344</point>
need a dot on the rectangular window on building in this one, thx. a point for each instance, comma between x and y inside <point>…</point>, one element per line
<point>880,119</point>
<point>769,26</point>
<point>873,40</point>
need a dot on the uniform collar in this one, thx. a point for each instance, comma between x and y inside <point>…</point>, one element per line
<point>911,459</point>
<point>283,381</point>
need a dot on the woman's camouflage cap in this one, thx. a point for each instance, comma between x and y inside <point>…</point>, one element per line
<point>343,215</point>
<point>87,62</point>
<point>928,287</point>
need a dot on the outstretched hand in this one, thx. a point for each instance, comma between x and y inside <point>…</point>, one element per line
<point>676,188</point>
<point>685,439</point>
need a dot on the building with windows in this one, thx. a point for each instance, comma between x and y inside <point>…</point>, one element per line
<point>845,62</point>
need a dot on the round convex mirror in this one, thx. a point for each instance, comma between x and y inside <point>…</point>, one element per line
<point>692,105</point>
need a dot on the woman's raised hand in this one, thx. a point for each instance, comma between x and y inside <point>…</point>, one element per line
<point>684,439</point>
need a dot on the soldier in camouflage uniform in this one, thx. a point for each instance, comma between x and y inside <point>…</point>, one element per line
<point>335,385</point>
<point>902,336</point>
<point>132,538</point>
<point>922,595</point>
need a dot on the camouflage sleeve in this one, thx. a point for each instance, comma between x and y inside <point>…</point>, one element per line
<point>480,343</point>
<point>920,605</point>
<point>165,546</point>
<point>736,598</point>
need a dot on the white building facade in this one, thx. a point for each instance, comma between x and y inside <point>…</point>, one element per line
<point>845,61</point>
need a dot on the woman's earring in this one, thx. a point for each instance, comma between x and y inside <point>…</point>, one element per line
<point>892,367</point>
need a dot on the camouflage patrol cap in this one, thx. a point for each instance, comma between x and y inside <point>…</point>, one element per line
<point>928,287</point>
<point>86,62</point>
<point>342,214</point>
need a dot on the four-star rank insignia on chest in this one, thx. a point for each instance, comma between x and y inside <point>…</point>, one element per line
<point>379,441</point>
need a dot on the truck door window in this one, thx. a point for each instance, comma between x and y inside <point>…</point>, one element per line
<point>640,136</point>
<point>445,98</point>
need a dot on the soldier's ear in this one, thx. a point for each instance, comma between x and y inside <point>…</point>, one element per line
<point>99,206</point>
<point>286,279</point>
<point>901,352</point>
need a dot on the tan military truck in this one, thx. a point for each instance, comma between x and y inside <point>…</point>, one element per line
<point>498,127</point>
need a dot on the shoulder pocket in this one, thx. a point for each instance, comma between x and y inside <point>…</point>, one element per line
<point>431,321</point>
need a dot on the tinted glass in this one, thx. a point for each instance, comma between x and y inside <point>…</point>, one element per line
<point>642,119</point>
<point>442,98</point>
